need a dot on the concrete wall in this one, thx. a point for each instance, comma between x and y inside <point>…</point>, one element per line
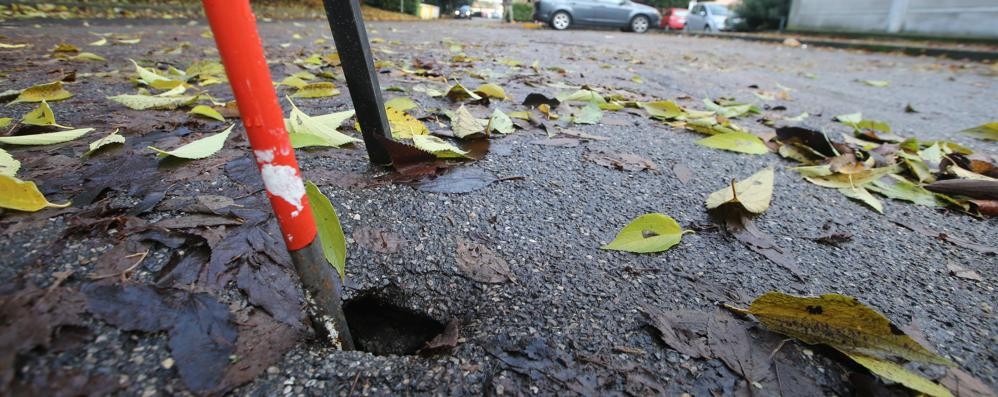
<point>960,18</point>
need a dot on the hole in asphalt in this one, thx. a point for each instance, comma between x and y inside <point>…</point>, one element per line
<point>380,326</point>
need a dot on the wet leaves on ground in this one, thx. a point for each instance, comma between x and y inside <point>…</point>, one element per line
<point>620,161</point>
<point>480,263</point>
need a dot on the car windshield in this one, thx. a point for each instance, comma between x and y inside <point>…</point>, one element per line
<point>717,9</point>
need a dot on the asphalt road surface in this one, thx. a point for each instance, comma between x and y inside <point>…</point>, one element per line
<point>568,318</point>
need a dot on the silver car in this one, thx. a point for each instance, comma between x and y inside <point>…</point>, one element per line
<point>624,14</point>
<point>707,17</point>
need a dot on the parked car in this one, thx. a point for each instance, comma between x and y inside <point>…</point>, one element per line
<point>707,17</point>
<point>624,14</point>
<point>463,12</point>
<point>674,19</point>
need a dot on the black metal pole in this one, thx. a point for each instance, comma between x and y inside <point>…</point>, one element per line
<point>362,80</point>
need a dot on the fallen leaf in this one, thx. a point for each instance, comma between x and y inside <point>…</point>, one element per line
<point>42,116</point>
<point>738,222</point>
<point>841,322</point>
<point>480,263</point>
<point>21,195</point>
<point>812,139</point>
<point>682,330</point>
<point>876,83</point>
<point>861,194</point>
<point>465,124</point>
<point>111,138</point>
<point>403,125</point>
<point>379,241</point>
<point>201,334</point>
<point>316,90</point>
<point>962,272</point>
<point>50,92</point>
<point>897,187</point>
<point>87,56</point>
<point>198,149</point>
<point>662,110</point>
<point>754,193</point>
<point>987,131</point>
<point>8,164</point>
<point>500,123</point>
<point>978,189</point>
<point>443,343</point>
<point>648,233</point>
<point>896,373</point>
<point>534,100</point>
<point>401,104</point>
<point>458,180</point>
<point>620,161</point>
<point>145,102</point>
<point>952,239</point>
<point>589,114</point>
<point>261,343</point>
<point>334,246</point>
<point>207,111</point>
<point>5,121</point>
<point>438,147</point>
<point>963,384</point>
<point>305,130</point>
<point>735,141</point>
<point>491,91</point>
<point>682,172</point>
<point>458,93</point>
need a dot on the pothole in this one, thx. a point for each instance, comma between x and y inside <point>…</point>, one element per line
<point>382,327</point>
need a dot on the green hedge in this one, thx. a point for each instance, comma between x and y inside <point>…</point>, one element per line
<point>411,6</point>
<point>523,12</point>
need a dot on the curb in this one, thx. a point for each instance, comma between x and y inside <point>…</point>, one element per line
<point>941,52</point>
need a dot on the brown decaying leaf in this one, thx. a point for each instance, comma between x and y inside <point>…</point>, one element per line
<point>458,181</point>
<point>739,223</point>
<point>834,239</point>
<point>986,207</point>
<point>28,318</point>
<point>445,342</point>
<point>196,220</point>
<point>481,263</point>
<point>978,189</point>
<point>682,330</point>
<point>201,334</point>
<point>955,240</point>
<point>963,384</point>
<point>380,241</point>
<point>404,157</point>
<point>620,161</point>
<point>534,100</point>
<point>962,272</point>
<point>262,342</point>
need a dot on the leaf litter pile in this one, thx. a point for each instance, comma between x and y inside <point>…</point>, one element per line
<point>135,153</point>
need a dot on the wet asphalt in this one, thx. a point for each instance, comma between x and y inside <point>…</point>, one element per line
<point>549,222</point>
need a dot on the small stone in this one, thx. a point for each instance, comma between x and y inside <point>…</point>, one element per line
<point>167,363</point>
<point>273,370</point>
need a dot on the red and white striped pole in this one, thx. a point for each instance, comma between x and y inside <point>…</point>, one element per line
<point>234,27</point>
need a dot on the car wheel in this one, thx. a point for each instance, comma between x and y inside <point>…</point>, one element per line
<point>707,28</point>
<point>639,24</point>
<point>561,20</point>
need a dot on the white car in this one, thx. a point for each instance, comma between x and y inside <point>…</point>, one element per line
<point>707,17</point>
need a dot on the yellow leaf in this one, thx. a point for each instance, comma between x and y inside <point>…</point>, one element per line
<point>401,104</point>
<point>8,164</point>
<point>492,91</point>
<point>44,92</point>
<point>317,90</point>
<point>42,116</point>
<point>5,121</point>
<point>206,111</point>
<point>21,195</point>
<point>459,93</point>
<point>64,47</point>
<point>437,146</point>
<point>735,141</point>
<point>293,81</point>
<point>200,148</point>
<point>12,46</point>
<point>87,56</point>
<point>465,124</point>
<point>45,139</point>
<point>111,138</point>
<point>860,193</point>
<point>99,42</point>
<point>754,193</point>
<point>143,102</point>
<point>861,178</point>
<point>307,131</point>
<point>404,125</point>
<point>841,322</point>
<point>896,373</point>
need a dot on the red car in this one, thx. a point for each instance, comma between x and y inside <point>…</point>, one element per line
<point>674,19</point>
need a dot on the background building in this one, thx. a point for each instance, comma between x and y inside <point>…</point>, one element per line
<point>958,18</point>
